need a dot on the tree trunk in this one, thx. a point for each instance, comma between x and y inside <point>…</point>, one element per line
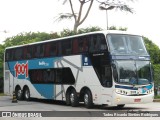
<point>75,27</point>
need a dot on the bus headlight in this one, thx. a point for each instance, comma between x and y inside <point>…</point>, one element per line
<point>117,99</point>
<point>123,92</point>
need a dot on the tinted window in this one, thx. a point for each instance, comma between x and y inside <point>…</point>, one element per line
<point>56,76</point>
<point>97,43</point>
<point>53,49</point>
<point>80,45</point>
<point>75,46</point>
<point>38,50</point>
<point>29,52</point>
<point>18,54</point>
<point>25,53</point>
<point>92,43</point>
<point>83,44</point>
<point>7,55</point>
<point>66,47</point>
<point>126,44</point>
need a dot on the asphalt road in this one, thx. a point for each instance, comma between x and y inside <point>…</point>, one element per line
<point>57,108</point>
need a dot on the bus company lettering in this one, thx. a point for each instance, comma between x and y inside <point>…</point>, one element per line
<point>43,63</point>
<point>21,69</point>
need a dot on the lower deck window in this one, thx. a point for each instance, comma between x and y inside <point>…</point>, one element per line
<point>54,75</point>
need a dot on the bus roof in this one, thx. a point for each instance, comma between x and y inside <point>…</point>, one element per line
<point>78,35</point>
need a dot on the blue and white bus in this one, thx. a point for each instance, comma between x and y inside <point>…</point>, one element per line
<point>103,68</point>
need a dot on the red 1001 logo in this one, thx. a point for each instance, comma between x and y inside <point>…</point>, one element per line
<point>21,69</point>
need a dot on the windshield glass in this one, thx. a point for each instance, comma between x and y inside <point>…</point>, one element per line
<point>132,72</point>
<point>126,44</point>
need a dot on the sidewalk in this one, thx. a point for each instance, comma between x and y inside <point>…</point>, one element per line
<point>156,100</point>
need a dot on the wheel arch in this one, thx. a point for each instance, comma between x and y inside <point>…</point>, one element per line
<point>69,89</point>
<point>25,87</point>
<point>17,86</point>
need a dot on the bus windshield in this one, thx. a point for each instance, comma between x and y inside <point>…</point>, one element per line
<point>126,44</point>
<point>132,72</point>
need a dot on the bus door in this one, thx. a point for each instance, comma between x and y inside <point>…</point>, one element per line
<point>102,67</point>
<point>8,83</point>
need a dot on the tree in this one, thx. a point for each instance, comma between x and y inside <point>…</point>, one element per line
<point>153,50</point>
<point>107,5</point>
<point>78,19</point>
<point>115,28</point>
<point>154,53</point>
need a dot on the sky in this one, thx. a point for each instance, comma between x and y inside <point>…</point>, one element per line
<point>19,16</point>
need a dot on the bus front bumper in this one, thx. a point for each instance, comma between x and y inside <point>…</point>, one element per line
<point>122,99</point>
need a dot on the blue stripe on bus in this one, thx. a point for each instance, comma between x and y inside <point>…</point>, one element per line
<point>36,63</point>
<point>144,88</point>
<point>129,57</point>
<point>32,64</point>
<point>125,87</point>
<point>46,90</point>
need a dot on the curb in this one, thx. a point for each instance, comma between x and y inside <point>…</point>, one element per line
<point>156,100</point>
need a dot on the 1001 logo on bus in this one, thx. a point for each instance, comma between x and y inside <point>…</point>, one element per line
<point>21,69</point>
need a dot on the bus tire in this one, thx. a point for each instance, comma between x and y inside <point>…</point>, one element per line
<point>68,101</point>
<point>26,94</point>
<point>19,93</point>
<point>88,101</point>
<point>120,106</point>
<point>74,98</point>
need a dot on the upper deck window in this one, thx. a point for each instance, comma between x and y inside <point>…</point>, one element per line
<point>97,43</point>
<point>126,44</point>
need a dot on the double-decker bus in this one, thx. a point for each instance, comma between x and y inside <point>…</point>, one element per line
<point>103,68</point>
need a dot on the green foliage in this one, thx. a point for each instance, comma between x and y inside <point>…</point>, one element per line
<point>153,50</point>
<point>112,28</point>
<point>115,28</point>
<point>89,29</point>
<point>156,71</point>
<point>25,38</point>
<point>123,29</point>
<point>157,97</point>
<point>67,32</point>
<point>2,94</point>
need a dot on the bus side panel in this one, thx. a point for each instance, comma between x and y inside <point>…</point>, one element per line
<point>85,76</point>
<point>8,80</point>
<point>45,91</point>
<point>12,80</point>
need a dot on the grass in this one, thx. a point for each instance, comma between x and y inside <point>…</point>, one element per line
<point>1,94</point>
<point>157,97</point>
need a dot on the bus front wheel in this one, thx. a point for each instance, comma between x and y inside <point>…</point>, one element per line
<point>88,102</point>
<point>26,94</point>
<point>120,106</point>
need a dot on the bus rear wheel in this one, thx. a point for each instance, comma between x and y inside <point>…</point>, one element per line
<point>26,94</point>
<point>19,94</point>
<point>88,102</point>
<point>74,98</point>
<point>68,101</point>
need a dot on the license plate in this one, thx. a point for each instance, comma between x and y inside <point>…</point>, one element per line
<point>137,100</point>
